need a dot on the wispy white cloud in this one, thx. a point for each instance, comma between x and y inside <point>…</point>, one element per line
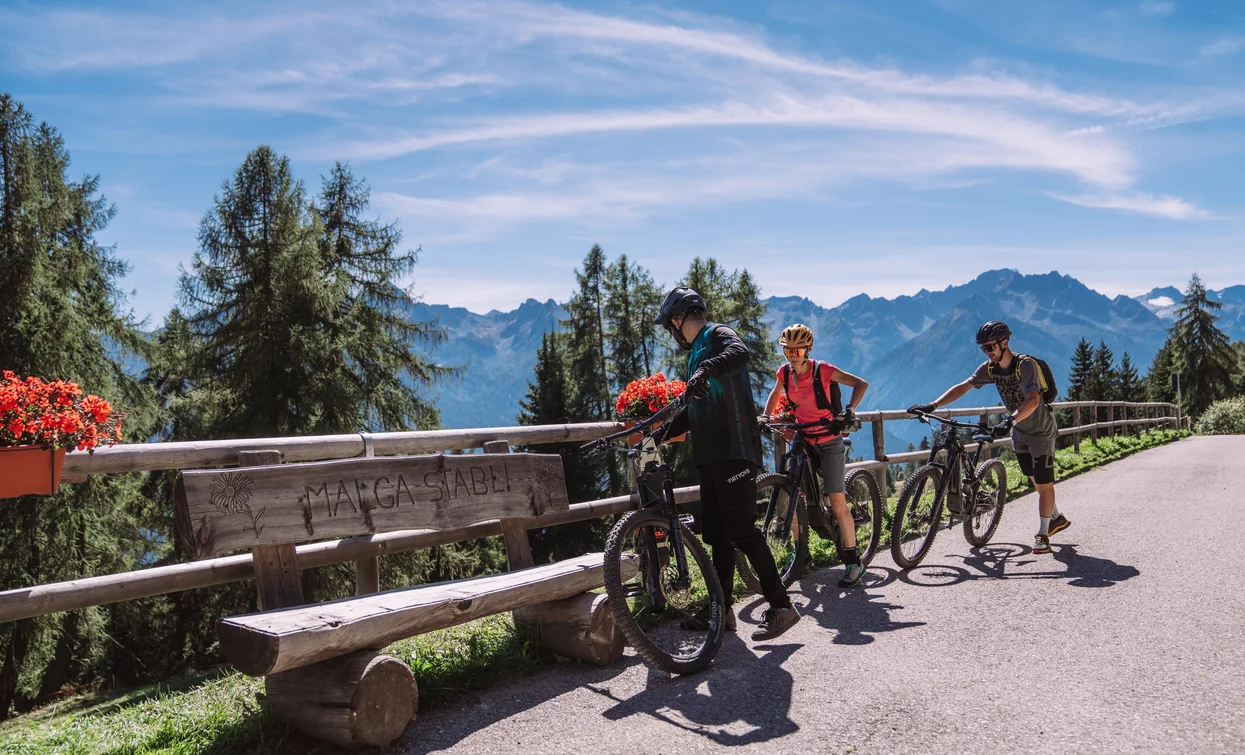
<point>1156,8</point>
<point>1162,206</point>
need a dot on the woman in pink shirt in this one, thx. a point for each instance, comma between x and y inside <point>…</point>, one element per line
<point>795,380</point>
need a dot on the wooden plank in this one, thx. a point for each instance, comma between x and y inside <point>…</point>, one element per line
<point>275,641</point>
<point>140,457</point>
<point>223,510</point>
<point>367,575</point>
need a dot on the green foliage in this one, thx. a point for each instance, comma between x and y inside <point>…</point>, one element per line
<point>1224,417</point>
<point>631,297</point>
<point>1081,378</point>
<point>1128,385</point>
<point>1202,352</point>
<point>63,316</point>
<point>1159,385</point>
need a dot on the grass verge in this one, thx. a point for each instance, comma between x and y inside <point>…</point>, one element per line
<point>223,713</point>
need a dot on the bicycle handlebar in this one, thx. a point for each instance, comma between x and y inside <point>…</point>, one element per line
<point>657,416</point>
<point>926,417</point>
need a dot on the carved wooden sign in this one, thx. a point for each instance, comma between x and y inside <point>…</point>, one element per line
<point>220,510</point>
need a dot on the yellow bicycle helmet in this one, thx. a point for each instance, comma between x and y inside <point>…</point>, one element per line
<point>796,336</point>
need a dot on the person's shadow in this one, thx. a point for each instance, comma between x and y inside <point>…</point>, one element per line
<point>855,614</point>
<point>1091,571</point>
<point>740,699</point>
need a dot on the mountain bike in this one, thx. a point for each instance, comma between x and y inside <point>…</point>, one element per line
<point>959,487</point>
<point>661,584</point>
<point>785,526</point>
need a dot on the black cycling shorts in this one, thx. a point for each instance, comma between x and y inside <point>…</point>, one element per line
<point>728,500</point>
<point>1040,468</point>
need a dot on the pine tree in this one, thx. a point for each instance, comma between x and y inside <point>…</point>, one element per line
<point>746,313</point>
<point>1159,385</point>
<point>63,315</point>
<point>548,402</point>
<point>631,298</point>
<point>384,349</point>
<point>1102,381</point>
<point>1128,386</point>
<point>1205,358</point>
<point>591,401</point>
<point>1081,374</point>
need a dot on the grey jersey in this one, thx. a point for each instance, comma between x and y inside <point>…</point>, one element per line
<point>1013,384</point>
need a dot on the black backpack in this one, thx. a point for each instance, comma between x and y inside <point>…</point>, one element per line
<point>1046,378</point>
<point>833,402</point>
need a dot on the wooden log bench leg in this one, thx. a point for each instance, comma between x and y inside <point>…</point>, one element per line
<point>581,627</point>
<point>364,698</point>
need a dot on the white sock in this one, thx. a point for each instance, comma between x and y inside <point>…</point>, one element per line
<point>1054,512</point>
<point>1045,527</point>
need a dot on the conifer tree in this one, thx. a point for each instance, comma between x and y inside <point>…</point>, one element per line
<point>1101,385</point>
<point>746,312</point>
<point>1081,374</point>
<point>63,316</point>
<point>385,350</point>
<point>591,400</point>
<point>631,299</point>
<point>1128,385</point>
<point>548,402</point>
<point>1159,386</point>
<point>1203,353</point>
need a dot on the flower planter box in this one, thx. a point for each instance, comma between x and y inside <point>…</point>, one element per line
<point>30,470</point>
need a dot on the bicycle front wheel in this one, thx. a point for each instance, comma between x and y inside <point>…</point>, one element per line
<point>990,494</point>
<point>917,516</point>
<point>675,619</point>
<point>864,501</point>
<point>782,517</point>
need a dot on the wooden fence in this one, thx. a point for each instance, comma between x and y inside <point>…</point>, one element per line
<point>38,600</point>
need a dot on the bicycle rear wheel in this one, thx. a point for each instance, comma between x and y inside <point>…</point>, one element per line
<point>991,492</point>
<point>675,622</point>
<point>783,519</point>
<point>864,501</point>
<point>917,516</point>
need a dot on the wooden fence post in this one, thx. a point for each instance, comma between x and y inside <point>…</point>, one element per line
<point>1076,422</point>
<point>879,454</point>
<point>1093,429</point>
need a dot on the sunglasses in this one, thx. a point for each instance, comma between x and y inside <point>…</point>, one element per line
<point>989,346</point>
<point>795,352</point>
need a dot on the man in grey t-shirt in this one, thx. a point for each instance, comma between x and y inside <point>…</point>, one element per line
<point>1032,423</point>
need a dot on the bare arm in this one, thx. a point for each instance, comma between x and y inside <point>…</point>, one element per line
<point>771,403</point>
<point>953,393</point>
<point>858,385</point>
<point>1028,406</point>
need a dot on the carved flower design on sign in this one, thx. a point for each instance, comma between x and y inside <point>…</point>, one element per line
<point>230,494</point>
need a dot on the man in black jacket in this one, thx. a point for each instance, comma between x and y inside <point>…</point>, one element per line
<point>726,450</point>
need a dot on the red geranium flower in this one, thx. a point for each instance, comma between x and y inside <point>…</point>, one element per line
<point>53,415</point>
<point>644,397</point>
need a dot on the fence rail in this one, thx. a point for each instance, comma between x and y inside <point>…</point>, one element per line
<point>29,602</point>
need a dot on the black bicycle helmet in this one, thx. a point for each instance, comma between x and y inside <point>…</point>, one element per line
<point>993,331</point>
<point>679,300</point>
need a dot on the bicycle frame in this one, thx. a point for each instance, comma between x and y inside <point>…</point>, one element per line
<point>957,478</point>
<point>648,460</point>
<point>803,471</point>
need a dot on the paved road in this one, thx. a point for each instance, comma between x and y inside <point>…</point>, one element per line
<point>1130,637</point>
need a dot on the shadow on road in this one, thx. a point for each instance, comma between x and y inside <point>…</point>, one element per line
<point>856,615</point>
<point>741,699</point>
<point>470,714</point>
<point>995,561</point>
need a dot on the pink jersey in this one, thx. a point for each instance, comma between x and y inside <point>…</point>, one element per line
<point>803,398</point>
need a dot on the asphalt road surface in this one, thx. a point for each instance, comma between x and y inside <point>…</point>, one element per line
<point>1130,637</point>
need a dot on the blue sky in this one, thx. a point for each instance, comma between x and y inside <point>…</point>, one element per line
<point>829,147</point>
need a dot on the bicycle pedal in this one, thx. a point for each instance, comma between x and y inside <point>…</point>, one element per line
<point>687,520</point>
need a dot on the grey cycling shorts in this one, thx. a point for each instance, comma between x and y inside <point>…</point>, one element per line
<point>1032,445</point>
<point>832,457</point>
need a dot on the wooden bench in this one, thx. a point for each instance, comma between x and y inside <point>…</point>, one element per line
<point>320,662</point>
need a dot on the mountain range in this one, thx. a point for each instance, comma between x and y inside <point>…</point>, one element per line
<point>909,348</point>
